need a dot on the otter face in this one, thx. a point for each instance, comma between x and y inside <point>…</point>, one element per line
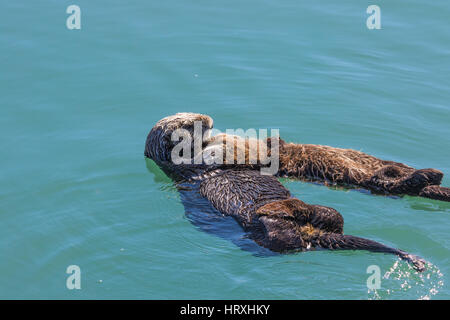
<point>159,144</point>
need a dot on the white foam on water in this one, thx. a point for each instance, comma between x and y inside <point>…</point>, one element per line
<point>401,281</point>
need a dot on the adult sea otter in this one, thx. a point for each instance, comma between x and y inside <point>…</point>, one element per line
<point>259,203</point>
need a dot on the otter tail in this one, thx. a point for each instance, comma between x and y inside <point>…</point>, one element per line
<point>335,241</point>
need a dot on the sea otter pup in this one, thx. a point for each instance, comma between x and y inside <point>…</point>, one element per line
<point>345,167</point>
<point>259,203</point>
<point>350,167</point>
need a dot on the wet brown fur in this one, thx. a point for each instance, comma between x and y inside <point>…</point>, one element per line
<point>345,167</point>
<point>350,167</point>
<point>260,203</point>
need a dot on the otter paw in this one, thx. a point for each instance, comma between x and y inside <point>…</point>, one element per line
<point>289,208</point>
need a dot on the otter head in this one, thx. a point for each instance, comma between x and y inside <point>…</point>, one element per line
<point>160,141</point>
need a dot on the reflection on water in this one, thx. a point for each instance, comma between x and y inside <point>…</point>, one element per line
<point>428,205</point>
<point>158,175</point>
<point>203,215</point>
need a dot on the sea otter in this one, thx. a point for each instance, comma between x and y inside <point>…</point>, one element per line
<point>344,167</point>
<point>259,203</point>
<point>354,168</point>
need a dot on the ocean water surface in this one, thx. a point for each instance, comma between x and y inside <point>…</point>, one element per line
<point>76,107</point>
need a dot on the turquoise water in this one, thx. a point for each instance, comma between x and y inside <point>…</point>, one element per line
<point>76,107</point>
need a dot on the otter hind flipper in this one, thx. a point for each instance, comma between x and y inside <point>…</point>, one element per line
<point>436,192</point>
<point>282,233</point>
<point>418,263</point>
